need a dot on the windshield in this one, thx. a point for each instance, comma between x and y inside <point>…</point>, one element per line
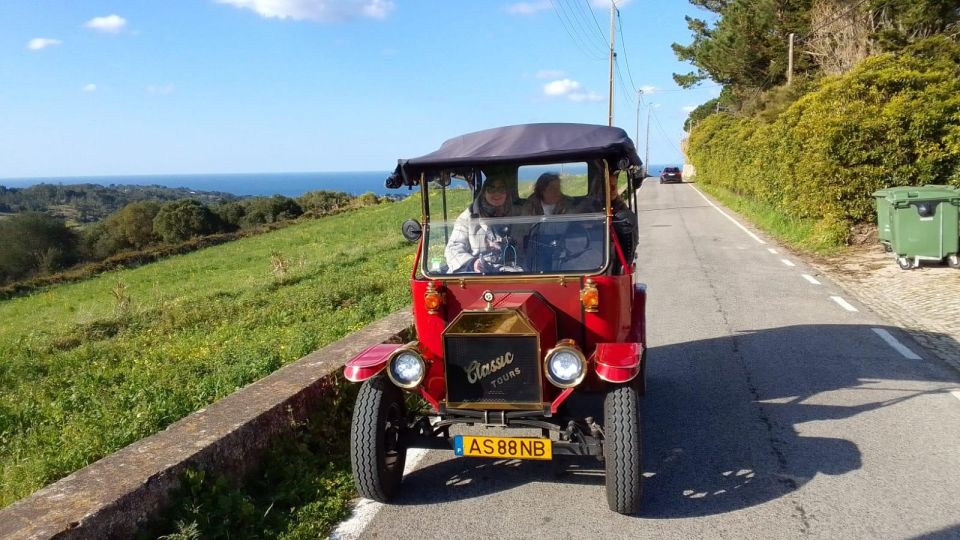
<point>528,220</point>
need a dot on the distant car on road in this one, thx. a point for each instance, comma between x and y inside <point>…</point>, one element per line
<point>671,174</point>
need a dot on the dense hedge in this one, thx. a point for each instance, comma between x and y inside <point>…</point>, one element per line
<point>893,120</point>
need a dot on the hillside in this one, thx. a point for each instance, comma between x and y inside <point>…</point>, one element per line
<point>92,366</point>
<point>86,203</point>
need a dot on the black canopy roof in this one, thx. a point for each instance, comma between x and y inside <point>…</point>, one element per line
<point>527,143</point>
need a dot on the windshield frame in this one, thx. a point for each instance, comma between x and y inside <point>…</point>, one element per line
<point>439,184</point>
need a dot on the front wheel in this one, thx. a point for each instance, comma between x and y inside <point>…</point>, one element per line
<point>904,263</point>
<point>377,453</point>
<point>622,449</point>
<point>954,260</point>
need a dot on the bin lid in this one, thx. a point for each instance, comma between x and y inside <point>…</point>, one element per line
<point>932,192</point>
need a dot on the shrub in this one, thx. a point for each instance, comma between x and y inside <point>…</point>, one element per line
<point>34,242</point>
<point>182,220</point>
<point>893,120</point>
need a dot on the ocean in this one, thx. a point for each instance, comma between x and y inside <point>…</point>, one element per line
<point>289,184</point>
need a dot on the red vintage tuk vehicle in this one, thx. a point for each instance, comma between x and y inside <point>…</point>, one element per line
<point>524,296</point>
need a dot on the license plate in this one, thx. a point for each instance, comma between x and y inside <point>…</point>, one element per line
<point>503,447</point>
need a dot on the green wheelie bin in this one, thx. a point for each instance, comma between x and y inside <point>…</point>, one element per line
<point>883,217</point>
<point>924,224</point>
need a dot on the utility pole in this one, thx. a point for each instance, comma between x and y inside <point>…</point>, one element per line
<point>790,61</point>
<point>613,8</point>
<point>646,155</point>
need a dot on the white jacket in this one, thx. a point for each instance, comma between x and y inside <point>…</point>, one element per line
<point>471,237</point>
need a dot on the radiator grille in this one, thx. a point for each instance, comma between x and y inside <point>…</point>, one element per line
<point>500,370</point>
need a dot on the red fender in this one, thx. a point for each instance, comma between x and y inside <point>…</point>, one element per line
<point>369,362</point>
<point>617,362</point>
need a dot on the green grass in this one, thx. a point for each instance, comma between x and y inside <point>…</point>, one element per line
<point>809,235</point>
<point>300,489</point>
<point>90,367</point>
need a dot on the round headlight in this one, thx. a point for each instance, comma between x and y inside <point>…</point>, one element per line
<point>406,369</point>
<point>566,367</point>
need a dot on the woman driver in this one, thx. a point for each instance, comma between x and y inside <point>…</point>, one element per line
<point>472,236</point>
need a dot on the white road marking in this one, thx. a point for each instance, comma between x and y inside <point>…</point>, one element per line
<point>366,510</point>
<point>843,303</point>
<point>787,262</point>
<point>735,222</point>
<point>900,347</point>
<point>771,250</point>
<point>955,393</point>
<point>811,279</point>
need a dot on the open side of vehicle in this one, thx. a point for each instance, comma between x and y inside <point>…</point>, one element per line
<point>518,314</point>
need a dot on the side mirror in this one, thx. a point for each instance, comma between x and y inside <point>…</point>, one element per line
<point>411,230</point>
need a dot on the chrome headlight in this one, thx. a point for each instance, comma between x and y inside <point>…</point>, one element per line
<point>565,366</point>
<point>406,369</point>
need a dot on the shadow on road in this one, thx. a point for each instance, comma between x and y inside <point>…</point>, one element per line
<point>720,421</point>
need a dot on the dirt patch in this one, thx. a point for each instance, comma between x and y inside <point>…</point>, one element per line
<point>864,234</point>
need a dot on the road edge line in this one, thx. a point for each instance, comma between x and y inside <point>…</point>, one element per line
<point>735,222</point>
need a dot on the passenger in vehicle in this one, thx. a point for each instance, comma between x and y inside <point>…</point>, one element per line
<point>624,221</point>
<point>548,198</point>
<point>476,245</point>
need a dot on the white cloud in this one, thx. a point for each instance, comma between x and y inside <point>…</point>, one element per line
<point>560,87</point>
<point>315,10</point>
<point>39,43</point>
<point>571,90</point>
<point>549,74</point>
<point>111,24</point>
<point>161,89</point>
<point>89,88</point>
<point>649,89</point>
<point>688,108</point>
<point>528,8</point>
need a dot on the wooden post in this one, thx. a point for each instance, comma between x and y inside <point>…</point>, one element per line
<point>790,62</point>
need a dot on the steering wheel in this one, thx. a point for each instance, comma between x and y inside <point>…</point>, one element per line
<point>547,250</point>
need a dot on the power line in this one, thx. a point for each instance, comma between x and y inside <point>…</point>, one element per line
<point>623,47</point>
<point>595,21</point>
<point>662,131</point>
<point>562,15</point>
<point>622,83</point>
<point>583,24</point>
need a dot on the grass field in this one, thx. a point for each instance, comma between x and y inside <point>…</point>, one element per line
<point>90,367</point>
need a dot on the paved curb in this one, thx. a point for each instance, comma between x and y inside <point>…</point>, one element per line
<point>116,495</point>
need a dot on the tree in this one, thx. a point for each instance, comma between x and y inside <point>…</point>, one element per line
<point>747,47</point>
<point>34,242</point>
<point>271,209</point>
<point>182,220</point>
<point>132,225</point>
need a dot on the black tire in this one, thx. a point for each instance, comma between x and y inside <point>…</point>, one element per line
<point>377,453</point>
<point>904,263</point>
<point>954,260</point>
<point>622,449</point>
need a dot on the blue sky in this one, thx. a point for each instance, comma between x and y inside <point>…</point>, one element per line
<point>100,87</point>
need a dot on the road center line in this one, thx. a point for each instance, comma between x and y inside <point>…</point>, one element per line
<point>893,342</point>
<point>955,393</point>
<point>365,509</point>
<point>810,278</point>
<point>843,303</point>
<point>771,250</point>
<point>735,222</point>
<point>787,262</point>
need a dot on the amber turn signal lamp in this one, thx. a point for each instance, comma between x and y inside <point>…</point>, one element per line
<point>432,299</point>
<point>590,297</point>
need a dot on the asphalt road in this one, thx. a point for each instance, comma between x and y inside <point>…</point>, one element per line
<point>772,411</point>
